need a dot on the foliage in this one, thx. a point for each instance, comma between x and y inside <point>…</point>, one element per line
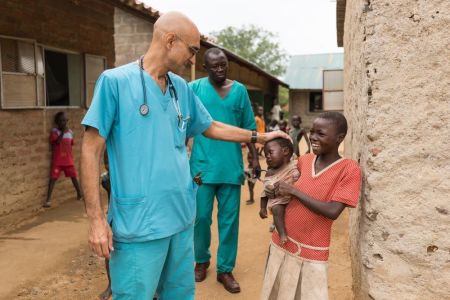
<point>256,45</point>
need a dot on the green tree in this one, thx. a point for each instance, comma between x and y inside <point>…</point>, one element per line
<point>256,45</point>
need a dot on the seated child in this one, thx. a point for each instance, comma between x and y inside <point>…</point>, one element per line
<point>278,154</point>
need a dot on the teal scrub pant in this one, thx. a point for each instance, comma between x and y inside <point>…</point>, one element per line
<point>228,199</point>
<point>165,266</point>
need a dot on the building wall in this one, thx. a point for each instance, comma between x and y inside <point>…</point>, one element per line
<point>82,26</point>
<point>132,36</point>
<point>299,105</point>
<point>397,103</point>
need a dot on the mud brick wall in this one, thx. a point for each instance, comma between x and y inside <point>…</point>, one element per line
<point>78,25</point>
<point>397,101</point>
<point>132,36</point>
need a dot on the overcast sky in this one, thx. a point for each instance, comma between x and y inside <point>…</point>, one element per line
<point>303,26</point>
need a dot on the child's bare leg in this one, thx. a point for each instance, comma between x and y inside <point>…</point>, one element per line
<point>77,187</point>
<point>107,293</point>
<point>51,185</point>
<point>278,219</point>
<point>251,186</point>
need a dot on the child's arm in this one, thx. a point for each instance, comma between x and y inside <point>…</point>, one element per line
<point>56,138</point>
<point>263,210</point>
<point>331,209</point>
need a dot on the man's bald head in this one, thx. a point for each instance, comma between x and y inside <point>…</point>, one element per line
<point>176,22</point>
<point>176,41</point>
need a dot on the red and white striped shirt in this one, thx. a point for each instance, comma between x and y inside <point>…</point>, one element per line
<point>311,232</point>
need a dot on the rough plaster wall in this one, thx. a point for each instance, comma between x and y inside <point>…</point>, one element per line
<point>299,105</point>
<point>25,156</point>
<point>398,103</point>
<point>132,36</point>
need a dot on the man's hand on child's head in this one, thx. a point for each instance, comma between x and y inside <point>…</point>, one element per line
<point>263,213</point>
<point>273,135</point>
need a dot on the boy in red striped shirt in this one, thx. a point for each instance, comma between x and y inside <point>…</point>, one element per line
<point>328,183</point>
<point>61,139</point>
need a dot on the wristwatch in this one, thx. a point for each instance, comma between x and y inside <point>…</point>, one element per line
<point>254,137</point>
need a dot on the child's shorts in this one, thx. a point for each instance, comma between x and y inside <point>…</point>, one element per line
<point>69,171</point>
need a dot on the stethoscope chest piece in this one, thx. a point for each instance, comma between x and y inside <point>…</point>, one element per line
<point>144,109</point>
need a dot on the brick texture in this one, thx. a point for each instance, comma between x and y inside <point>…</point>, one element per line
<point>77,25</point>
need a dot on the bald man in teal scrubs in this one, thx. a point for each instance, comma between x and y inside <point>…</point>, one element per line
<point>221,168</point>
<point>144,112</point>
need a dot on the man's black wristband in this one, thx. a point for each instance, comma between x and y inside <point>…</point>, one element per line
<point>254,137</point>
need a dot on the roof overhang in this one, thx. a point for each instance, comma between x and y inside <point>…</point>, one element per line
<point>340,20</point>
<point>244,62</point>
<point>149,12</point>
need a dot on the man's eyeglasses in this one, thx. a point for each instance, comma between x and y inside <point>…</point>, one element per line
<point>192,49</point>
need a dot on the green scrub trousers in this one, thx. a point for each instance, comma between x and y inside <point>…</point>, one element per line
<point>228,199</point>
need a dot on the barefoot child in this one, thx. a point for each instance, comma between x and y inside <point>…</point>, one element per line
<point>328,183</point>
<point>278,154</point>
<point>61,139</point>
<point>297,133</point>
<point>251,178</point>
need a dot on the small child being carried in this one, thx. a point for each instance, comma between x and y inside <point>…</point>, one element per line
<point>278,153</point>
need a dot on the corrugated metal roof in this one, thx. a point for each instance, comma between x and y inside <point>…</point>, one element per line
<point>305,71</point>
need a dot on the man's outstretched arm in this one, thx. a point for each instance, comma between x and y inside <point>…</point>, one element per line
<point>100,234</point>
<point>224,132</point>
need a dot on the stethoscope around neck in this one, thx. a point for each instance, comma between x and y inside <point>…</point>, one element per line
<point>144,109</point>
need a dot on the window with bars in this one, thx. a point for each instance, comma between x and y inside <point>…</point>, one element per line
<point>32,75</point>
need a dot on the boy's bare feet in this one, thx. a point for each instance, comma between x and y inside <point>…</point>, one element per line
<point>106,294</point>
<point>250,202</point>
<point>47,204</point>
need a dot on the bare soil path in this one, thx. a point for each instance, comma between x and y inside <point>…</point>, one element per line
<point>49,259</point>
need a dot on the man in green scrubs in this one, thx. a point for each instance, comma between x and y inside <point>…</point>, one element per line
<point>221,167</point>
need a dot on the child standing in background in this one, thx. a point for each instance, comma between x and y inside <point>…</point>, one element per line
<point>61,139</point>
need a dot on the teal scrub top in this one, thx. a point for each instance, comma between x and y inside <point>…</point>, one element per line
<point>152,191</point>
<point>219,161</point>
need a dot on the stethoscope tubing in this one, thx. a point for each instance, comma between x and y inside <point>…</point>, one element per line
<point>144,108</point>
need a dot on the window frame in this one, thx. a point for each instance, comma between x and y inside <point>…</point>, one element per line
<point>105,65</point>
<point>3,105</point>
<point>42,103</point>
<point>309,101</point>
<point>333,90</point>
<point>82,79</point>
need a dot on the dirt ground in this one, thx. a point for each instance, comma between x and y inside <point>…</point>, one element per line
<point>48,258</point>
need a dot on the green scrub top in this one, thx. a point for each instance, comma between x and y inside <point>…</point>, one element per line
<point>219,161</point>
